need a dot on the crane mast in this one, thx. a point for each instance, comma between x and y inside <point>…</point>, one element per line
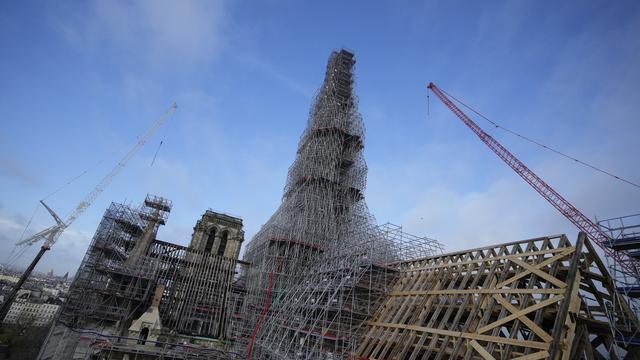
<point>51,234</point>
<point>582,222</point>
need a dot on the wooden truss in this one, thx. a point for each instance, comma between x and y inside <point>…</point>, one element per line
<point>534,299</point>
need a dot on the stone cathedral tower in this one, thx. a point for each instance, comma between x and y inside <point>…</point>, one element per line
<point>219,234</point>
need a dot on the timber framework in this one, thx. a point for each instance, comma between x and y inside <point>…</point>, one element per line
<point>533,299</point>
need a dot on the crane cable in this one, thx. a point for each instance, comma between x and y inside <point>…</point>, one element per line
<point>496,125</point>
<point>156,153</point>
<point>163,137</point>
<point>87,170</point>
<point>13,256</point>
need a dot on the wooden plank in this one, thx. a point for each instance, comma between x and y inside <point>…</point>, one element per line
<point>563,254</point>
<point>490,306</point>
<point>534,356</point>
<point>484,353</point>
<point>520,313</point>
<point>405,308</point>
<point>491,259</point>
<point>552,237</point>
<point>477,291</point>
<point>525,300</point>
<point>535,328</point>
<point>465,335</point>
<point>432,315</point>
<point>484,307</point>
<point>574,309</point>
<point>563,330</point>
<point>536,270</point>
<point>488,279</point>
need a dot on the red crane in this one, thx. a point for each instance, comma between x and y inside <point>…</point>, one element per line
<point>593,231</point>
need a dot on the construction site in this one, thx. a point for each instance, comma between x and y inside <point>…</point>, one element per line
<point>321,279</point>
<point>132,288</point>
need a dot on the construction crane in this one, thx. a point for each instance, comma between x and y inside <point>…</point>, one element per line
<point>628,264</point>
<point>51,234</point>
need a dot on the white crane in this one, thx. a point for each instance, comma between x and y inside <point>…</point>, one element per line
<point>51,234</point>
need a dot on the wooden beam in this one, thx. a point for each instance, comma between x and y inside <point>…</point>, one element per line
<point>564,327</point>
<point>473,336</point>
<point>489,259</point>
<point>477,291</point>
<point>535,328</point>
<point>484,353</point>
<point>534,356</point>
<point>520,313</point>
<point>537,271</point>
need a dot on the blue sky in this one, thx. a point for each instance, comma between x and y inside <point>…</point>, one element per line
<point>81,80</point>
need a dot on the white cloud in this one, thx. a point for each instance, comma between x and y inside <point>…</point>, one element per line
<point>18,170</point>
<point>509,209</point>
<point>274,73</point>
<point>584,106</point>
<point>504,211</point>
<point>158,31</point>
<point>9,227</point>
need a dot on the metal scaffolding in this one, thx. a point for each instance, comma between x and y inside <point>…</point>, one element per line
<point>111,281</point>
<point>115,283</point>
<point>320,265</point>
<point>624,234</point>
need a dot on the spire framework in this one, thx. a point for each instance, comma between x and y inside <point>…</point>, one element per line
<point>319,266</point>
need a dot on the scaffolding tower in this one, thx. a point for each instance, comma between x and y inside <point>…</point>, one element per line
<point>115,284</point>
<point>624,234</point>
<point>319,266</point>
<point>115,277</point>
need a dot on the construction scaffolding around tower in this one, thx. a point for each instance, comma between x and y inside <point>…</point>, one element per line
<point>124,267</point>
<point>320,265</point>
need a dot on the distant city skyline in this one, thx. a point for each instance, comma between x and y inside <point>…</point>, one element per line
<point>81,81</point>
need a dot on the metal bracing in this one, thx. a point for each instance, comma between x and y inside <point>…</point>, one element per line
<point>624,234</point>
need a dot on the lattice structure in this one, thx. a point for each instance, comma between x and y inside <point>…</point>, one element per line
<point>624,234</point>
<point>115,277</point>
<point>534,299</point>
<point>319,265</point>
<point>122,268</point>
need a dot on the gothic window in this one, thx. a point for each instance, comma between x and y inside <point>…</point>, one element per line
<point>210,240</point>
<point>223,243</point>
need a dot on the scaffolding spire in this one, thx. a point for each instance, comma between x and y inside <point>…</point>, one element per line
<point>317,268</point>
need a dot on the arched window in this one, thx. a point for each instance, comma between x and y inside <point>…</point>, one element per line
<point>210,240</point>
<point>223,243</point>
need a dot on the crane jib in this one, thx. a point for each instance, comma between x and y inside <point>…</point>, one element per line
<point>570,212</point>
